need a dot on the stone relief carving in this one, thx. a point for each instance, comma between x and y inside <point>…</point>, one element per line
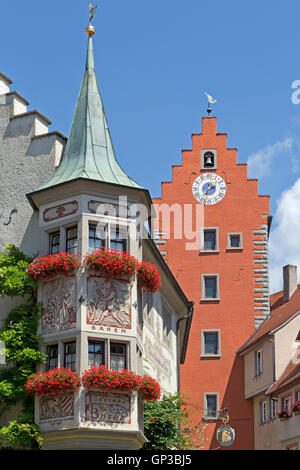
<point>59,300</point>
<point>56,407</point>
<point>107,407</point>
<point>109,302</point>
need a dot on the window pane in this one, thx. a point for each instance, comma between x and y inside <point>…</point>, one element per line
<point>52,357</point>
<point>211,343</point>
<point>210,287</point>
<point>96,238</point>
<point>209,240</point>
<point>95,354</point>
<point>54,243</point>
<point>117,357</point>
<point>70,356</point>
<point>72,241</point>
<point>211,405</point>
<point>117,241</point>
<point>235,241</point>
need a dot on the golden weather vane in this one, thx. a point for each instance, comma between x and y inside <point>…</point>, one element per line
<point>92,11</point>
<point>90,30</point>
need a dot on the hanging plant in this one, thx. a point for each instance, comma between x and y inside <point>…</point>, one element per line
<point>45,267</point>
<point>54,381</point>
<point>111,262</point>
<point>148,277</point>
<point>101,377</point>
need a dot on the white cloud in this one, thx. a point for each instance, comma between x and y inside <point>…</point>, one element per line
<point>259,163</point>
<point>284,242</point>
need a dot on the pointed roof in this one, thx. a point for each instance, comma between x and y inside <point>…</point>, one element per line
<point>89,153</point>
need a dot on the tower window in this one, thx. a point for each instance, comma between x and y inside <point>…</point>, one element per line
<point>210,343</point>
<point>234,241</point>
<point>209,239</point>
<point>210,287</point>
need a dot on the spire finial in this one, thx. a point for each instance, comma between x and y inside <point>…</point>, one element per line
<point>210,100</point>
<point>90,30</point>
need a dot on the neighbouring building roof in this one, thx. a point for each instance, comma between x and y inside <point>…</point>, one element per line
<point>288,378</point>
<point>281,312</point>
<point>89,153</point>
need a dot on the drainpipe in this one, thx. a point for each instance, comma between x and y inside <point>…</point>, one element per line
<point>188,315</point>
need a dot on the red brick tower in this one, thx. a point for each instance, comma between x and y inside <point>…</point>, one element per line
<point>226,276</point>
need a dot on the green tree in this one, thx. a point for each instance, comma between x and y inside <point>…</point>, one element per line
<point>164,421</point>
<point>21,349</point>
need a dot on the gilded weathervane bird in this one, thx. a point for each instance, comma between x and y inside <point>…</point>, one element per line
<point>92,11</point>
<point>210,100</point>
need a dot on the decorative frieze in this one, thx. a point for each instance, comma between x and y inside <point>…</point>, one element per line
<point>109,302</point>
<point>62,210</point>
<point>59,300</point>
<point>55,409</point>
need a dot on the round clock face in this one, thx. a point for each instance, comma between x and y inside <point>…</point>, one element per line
<point>209,188</point>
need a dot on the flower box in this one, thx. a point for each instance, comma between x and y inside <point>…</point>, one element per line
<point>45,267</point>
<point>148,277</point>
<point>54,381</point>
<point>111,263</point>
<point>124,380</point>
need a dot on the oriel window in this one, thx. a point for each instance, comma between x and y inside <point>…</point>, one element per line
<point>117,356</point>
<point>96,353</point>
<point>70,356</point>
<point>52,357</point>
<point>72,240</point>
<point>54,242</point>
<point>96,237</point>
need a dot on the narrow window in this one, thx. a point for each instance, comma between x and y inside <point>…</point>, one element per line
<point>96,354</point>
<point>52,357</point>
<point>117,356</point>
<point>273,408</point>
<point>211,406</point>
<point>96,238</point>
<point>72,241</point>
<point>70,356</point>
<point>258,362</point>
<point>54,243</point>
<point>263,411</point>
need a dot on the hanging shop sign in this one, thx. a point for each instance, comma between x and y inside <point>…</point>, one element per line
<point>225,436</point>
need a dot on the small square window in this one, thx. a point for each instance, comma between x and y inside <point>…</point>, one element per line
<point>234,241</point>
<point>211,405</point>
<point>210,343</point>
<point>210,287</point>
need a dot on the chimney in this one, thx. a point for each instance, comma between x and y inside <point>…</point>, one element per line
<point>289,281</point>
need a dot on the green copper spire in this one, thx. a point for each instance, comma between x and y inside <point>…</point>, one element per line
<point>89,152</point>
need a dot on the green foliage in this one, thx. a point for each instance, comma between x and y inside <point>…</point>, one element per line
<point>163,421</point>
<point>21,349</point>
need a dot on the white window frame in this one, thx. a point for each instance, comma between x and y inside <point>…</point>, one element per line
<point>234,234</point>
<point>205,414</point>
<point>263,411</point>
<point>210,299</point>
<point>202,244</point>
<point>273,408</point>
<point>203,353</point>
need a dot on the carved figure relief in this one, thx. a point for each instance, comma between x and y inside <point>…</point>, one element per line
<point>109,302</point>
<point>54,407</point>
<point>107,407</point>
<point>59,301</point>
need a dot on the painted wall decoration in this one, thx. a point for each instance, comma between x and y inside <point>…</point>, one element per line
<point>59,300</point>
<point>109,302</point>
<point>154,354</point>
<point>108,407</point>
<point>56,407</point>
<point>62,210</point>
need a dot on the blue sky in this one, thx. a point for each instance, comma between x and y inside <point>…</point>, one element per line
<point>154,61</point>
